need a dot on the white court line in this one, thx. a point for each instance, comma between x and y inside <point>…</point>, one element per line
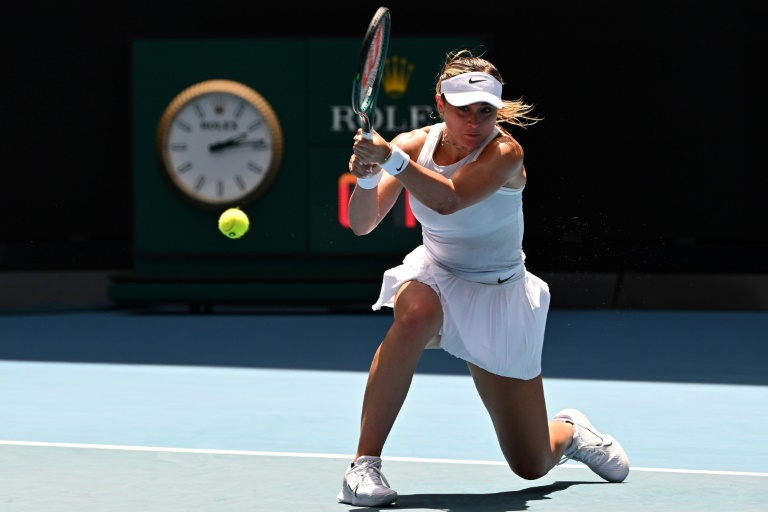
<point>344,456</point>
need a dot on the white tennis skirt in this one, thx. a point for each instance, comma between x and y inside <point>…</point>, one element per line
<point>498,327</point>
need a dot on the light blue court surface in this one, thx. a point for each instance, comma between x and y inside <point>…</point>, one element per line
<point>146,411</point>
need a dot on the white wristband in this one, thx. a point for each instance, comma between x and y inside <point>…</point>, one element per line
<point>371,181</point>
<point>397,161</point>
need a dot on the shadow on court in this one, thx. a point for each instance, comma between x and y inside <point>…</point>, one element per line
<point>469,502</point>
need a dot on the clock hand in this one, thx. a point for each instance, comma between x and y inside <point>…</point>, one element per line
<point>237,140</point>
<point>256,143</point>
<point>232,141</point>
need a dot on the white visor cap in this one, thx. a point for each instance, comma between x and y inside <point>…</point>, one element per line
<point>467,88</point>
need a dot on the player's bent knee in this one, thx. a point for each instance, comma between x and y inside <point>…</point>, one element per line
<point>419,323</point>
<point>529,466</point>
<point>418,310</point>
<point>529,471</point>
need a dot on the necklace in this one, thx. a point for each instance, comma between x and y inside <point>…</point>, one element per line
<point>444,141</point>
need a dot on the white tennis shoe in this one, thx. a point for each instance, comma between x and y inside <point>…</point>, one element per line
<point>364,484</point>
<point>600,452</point>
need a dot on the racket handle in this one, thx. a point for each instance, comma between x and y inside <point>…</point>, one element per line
<point>367,128</point>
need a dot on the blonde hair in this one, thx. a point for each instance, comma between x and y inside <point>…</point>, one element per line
<point>514,112</point>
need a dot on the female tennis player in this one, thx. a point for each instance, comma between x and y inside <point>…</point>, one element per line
<point>465,289</point>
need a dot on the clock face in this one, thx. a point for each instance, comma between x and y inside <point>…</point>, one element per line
<point>220,143</point>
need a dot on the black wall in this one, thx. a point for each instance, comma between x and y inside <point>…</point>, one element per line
<point>646,159</point>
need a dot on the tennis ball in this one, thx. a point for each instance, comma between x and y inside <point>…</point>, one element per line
<point>234,223</point>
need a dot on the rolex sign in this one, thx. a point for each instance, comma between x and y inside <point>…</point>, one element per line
<point>406,98</point>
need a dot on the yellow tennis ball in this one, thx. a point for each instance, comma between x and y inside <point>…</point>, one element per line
<point>234,223</point>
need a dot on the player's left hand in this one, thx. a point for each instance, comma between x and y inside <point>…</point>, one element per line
<point>370,151</point>
<point>362,169</point>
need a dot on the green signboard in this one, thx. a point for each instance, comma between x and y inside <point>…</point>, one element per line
<point>298,225</point>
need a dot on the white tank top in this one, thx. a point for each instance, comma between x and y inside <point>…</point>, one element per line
<point>482,242</point>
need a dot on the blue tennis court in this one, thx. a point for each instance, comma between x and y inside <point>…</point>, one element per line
<point>256,410</point>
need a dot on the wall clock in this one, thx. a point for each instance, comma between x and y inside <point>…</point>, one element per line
<point>220,143</point>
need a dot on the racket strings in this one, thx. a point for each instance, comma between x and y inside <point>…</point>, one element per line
<point>371,68</point>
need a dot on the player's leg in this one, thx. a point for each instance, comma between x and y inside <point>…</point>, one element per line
<point>531,444</point>
<point>418,316</point>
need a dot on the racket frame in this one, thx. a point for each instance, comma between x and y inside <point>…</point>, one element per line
<point>369,71</point>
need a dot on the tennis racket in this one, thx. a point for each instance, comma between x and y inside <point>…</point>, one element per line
<point>370,68</point>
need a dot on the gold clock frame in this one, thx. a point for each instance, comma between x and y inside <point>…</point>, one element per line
<point>249,95</point>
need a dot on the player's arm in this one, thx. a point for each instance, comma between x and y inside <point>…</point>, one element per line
<point>367,207</point>
<point>500,164</point>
